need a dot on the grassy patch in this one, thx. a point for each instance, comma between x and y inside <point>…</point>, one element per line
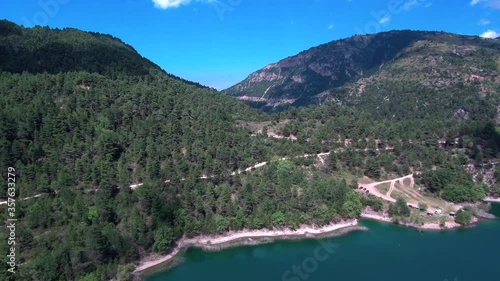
<point>345,175</point>
<point>407,182</point>
<point>406,192</point>
<point>383,188</point>
<point>396,194</point>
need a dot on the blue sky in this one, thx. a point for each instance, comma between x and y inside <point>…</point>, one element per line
<point>219,42</point>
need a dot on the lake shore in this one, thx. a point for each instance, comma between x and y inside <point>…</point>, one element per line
<point>247,237</point>
<point>491,199</point>
<point>257,237</point>
<point>427,226</point>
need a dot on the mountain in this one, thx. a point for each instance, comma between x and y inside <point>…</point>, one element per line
<point>83,119</point>
<point>41,49</point>
<point>115,160</point>
<point>377,71</point>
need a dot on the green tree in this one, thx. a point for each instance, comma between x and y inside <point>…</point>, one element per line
<point>463,217</point>
<point>464,193</point>
<point>423,206</point>
<point>377,204</point>
<point>352,205</point>
<point>44,267</point>
<point>278,219</point>
<point>332,163</point>
<point>372,168</point>
<point>125,272</point>
<point>400,208</point>
<point>164,237</point>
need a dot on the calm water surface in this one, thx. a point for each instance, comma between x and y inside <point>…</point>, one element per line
<point>386,252</point>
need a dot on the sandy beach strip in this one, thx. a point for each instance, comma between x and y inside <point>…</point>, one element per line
<point>154,262</point>
<point>377,217</point>
<point>436,226</point>
<point>491,199</point>
<point>231,236</point>
<point>202,241</point>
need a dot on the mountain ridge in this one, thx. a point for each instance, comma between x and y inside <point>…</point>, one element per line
<point>53,50</point>
<point>310,76</point>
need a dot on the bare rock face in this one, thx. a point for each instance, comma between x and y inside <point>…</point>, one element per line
<point>263,76</point>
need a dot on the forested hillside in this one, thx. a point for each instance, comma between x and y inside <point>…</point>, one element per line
<point>125,159</point>
<point>80,133</point>
<point>40,49</point>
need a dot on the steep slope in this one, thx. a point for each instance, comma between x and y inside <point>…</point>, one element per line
<point>433,78</point>
<point>438,61</point>
<point>40,49</point>
<point>114,159</point>
<point>117,160</point>
<point>82,118</point>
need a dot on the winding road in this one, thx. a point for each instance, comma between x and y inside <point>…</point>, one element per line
<point>372,189</point>
<point>26,198</point>
<point>320,156</point>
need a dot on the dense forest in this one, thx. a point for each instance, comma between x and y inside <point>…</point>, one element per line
<point>127,158</point>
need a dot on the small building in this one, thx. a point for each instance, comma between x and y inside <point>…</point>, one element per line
<point>438,212</point>
<point>453,214</point>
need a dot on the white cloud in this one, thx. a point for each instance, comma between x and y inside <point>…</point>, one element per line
<point>166,4</point>
<point>410,4</point>
<point>490,34</point>
<point>384,20</point>
<point>331,26</point>
<point>483,22</point>
<point>492,4</point>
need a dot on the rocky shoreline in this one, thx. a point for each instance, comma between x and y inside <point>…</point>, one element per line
<point>265,236</point>
<point>246,237</point>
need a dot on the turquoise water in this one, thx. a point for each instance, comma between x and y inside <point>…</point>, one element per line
<point>495,209</point>
<point>386,252</point>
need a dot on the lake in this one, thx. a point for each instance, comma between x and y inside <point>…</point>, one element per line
<point>385,252</point>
